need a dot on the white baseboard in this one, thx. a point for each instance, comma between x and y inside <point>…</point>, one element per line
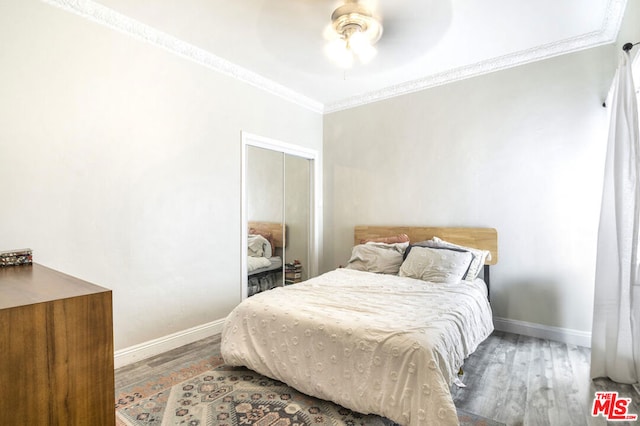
<point>153,347</point>
<point>564,335</point>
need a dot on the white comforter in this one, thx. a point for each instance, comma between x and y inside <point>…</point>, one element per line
<point>254,263</point>
<point>373,343</point>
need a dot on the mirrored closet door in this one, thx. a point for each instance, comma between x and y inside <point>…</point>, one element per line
<point>278,214</point>
<point>297,213</point>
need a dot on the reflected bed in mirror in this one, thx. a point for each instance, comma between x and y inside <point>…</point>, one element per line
<point>265,244</point>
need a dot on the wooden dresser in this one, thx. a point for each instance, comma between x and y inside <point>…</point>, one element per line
<point>56,349</point>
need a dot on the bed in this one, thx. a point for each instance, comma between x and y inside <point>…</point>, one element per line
<point>375,342</point>
<point>265,242</point>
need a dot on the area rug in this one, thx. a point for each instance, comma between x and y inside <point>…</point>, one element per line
<point>232,396</point>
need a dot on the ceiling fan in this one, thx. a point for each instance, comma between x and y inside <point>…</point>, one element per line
<point>352,34</point>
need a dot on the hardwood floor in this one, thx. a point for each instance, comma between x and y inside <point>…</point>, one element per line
<point>169,361</point>
<point>514,379</point>
<point>520,380</point>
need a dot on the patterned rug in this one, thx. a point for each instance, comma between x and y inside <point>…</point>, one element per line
<point>210,394</point>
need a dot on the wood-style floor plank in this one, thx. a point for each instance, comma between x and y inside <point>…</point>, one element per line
<point>514,379</point>
<point>534,382</point>
<point>566,390</point>
<point>166,362</point>
<point>539,399</point>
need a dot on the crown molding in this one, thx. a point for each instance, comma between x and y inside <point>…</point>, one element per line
<point>98,13</point>
<point>103,15</point>
<point>607,34</point>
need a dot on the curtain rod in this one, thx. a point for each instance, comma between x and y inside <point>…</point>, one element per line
<point>626,47</point>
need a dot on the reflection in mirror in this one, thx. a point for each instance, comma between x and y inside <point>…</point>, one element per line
<point>265,189</point>
<point>297,213</point>
<point>264,175</point>
<point>279,223</point>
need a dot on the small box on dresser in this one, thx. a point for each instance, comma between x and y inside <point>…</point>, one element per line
<point>16,257</point>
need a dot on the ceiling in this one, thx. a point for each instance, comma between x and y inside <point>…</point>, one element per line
<point>278,45</point>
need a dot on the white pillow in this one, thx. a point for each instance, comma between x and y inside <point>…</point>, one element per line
<point>258,246</point>
<point>380,258</point>
<point>479,257</point>
<point>434,265</point>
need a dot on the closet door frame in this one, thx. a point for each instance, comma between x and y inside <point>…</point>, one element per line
<point>252,140</point>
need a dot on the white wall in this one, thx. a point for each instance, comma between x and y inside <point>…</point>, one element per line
<point>121,165</point>
<point>520,150</point>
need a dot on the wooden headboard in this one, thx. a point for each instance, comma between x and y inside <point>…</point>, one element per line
<point>276,230</point>
<point>480,238</point>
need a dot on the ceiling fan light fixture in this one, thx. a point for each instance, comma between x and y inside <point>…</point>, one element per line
<point>357,30</point>
<point>338,51</point>
<point>361,47</point>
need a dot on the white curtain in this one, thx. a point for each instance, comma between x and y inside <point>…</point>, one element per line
<point>615,341</point>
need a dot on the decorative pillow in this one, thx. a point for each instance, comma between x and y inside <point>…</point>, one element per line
<point>479,256</point>
<point>430,245</point>
<point>400,238</point>
<point>434,265</point>
<point>380,258</point>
